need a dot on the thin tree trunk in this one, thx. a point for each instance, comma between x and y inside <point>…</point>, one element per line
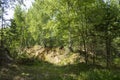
<point>85,50</point>
<point>108,52</point>
<point>85,37</point>
<point>2,44</point>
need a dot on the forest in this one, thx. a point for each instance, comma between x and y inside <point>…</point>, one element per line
<point>60,40</point>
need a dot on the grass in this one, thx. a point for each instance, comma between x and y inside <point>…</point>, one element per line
<point>102,74</point>
<point>48,71</point>
<point>41,71</point>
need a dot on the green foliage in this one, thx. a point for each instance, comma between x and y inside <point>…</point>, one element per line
<point>89,26</point>
<point>99,75</point>
<point>24,59</point>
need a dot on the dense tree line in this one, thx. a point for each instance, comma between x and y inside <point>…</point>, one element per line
<point>91,27</point>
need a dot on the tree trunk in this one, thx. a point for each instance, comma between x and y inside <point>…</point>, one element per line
<point>85,50</point>
<point>94,55</point>
<point>108,52</point>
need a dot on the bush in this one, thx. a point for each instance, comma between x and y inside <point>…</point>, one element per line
<point>99,75</point>
<point>24,59</point>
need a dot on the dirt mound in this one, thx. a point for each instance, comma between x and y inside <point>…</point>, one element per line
<point>53,55</point>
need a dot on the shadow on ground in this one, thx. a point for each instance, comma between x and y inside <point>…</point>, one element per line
<point>43,71</point>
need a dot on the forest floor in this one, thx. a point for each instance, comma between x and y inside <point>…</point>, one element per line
<point>48,71</point>
<point>56,66</point>
<point>41,71</point>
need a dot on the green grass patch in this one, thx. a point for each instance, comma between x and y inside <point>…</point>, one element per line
<point>46,71</point>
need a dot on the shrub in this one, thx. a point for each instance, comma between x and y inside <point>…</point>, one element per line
<point>99,75</point>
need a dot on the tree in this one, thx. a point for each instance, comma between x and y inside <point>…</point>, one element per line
<point>5,31</point>
<point>106,25</point>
